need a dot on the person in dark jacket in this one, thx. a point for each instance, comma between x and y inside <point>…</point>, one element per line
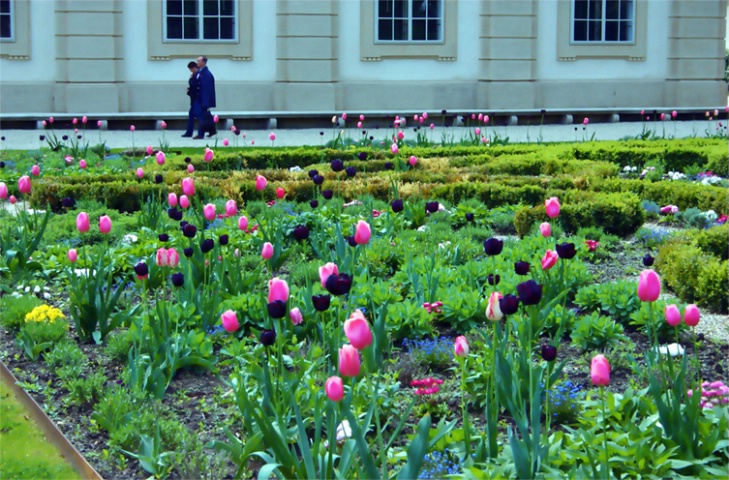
<point>192,88</point>
<point>205,98</point>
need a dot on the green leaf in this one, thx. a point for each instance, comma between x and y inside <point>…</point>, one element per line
<point>417,450</point>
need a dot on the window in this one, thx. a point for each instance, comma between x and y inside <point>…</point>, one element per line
<point>603,20</point>
<point>6,20</point>
<point>409,21</point>
<point>200,20</point>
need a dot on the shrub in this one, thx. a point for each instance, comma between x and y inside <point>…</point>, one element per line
<point>14,309</point>
<point>714,241</point>
<point>597,332</point>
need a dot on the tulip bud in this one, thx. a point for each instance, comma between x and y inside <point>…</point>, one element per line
<point>600,371</point>
<point>230,321</point>
<point>334,388</point>
<point>461,346</point>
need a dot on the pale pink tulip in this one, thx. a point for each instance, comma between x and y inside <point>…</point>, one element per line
<point>74,121</point>
<point>209,212</point>
<point>231,208</point>
<point>545,229</point>
<point>296,317</point>
<point>460,347</point>
<point>493,310</point>
<point>190,168</point>
<point>278,290</point>
<point>173,258</point>
<point>394,148</point>
<point>326,271</point>
<point>72,255</point>
<point>184,201</point>
<point>272,136</point>
<point>216,118</point>
<point>132,128</point>
<point>267,251</point>
<point>162,258</point>
<point>172,199</point>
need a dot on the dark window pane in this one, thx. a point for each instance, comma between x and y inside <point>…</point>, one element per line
<point>420,9</point>
<point>190,7</point>
<point>611,31</point>
<point>400,32</point>
<point>626,31</point>
<point>227,7</point>
<point>418,30</point>
<point>612,9</point>
<point>595,9</point>
<point>384,30</point>
<point>434,30</point>
<point>227,28</point>
<point>174,27</point>
<point>580,9</point>
<point>384,9</point>
<point>401,8</point>
<point>594,31</point>
<point>580,31</point>
<point>191,29</point>
<point>434,9</point>
<point>5,27</point>
<point>174,7</point>
<point>210,32</point>
<point>4,6</point>
<point>626,9</point>
<point>210,7</point>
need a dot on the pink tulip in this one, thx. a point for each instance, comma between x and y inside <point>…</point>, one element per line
<point>150,150</point>
<point>485,119</point>
<point>172,199</point>
<point>104,224</point>
<point>272,136</point>
<point>3,191</point>
<point>188,186</point>
<point>545,229</point>
<point>394,148</point>
<point>493,310</point>
<point>45,124</point>
<point>359,124</point>
<point>296,317</point>
<point>477,131</point>
<point>362,117</point>
<point>585,121</point>
<point>278,290</point>
<point>140,173</point>
<point>162,258</point>
<point>334,388</point>
<point>163,125</point>
<point>216,118</point>
<point>649,286</point>
<point>132,128</point>
<point>243,223</point>
<point>344,116</point>
<point>74,121</point>
<point>209,212</point>
<point>225,142</point>
<point>161,158</point>
<point>600,371</point>
<point>173,258</point>
<point>551,205</point>
<point>72,255</point>
<point>261,182</point>
<point>400,135</point>
<point>267,251</point>
<point>480,117</point>
<point>425,115</point>
<point>357,330</point>
<point>673,315</point>
<point>184,201</point>
<point>432,126</point>
<point>691,315</point>
<point>209,154</point>
<point>674,114</point>
<point>362,233</point>
<point>230,321</point>
<point>82,164</point>
<point>84,119</point>
<point>82,222</point>
<point>190,168</point>
<point>12,200</point>
<point>35,170</point>
<point>460,346</point>
<point>326,271</point>
<point>24,184</point>
<point>642,112</point>
<point>231,208</point>
<point>549,259</point>
<point>663,116</point>
<point>413,160</point>
<point>280,193</point>
<point>50,120</point>
<point>99,123</point>
<point>349,363</point>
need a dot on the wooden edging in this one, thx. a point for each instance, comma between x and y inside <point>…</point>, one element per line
<point>49,429</point>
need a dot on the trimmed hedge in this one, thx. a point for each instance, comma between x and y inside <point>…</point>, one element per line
<point>682,194</point>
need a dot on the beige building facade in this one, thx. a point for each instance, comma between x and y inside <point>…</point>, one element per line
<point>309,57</point>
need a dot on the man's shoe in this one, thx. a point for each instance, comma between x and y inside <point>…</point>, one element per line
<point>213,133</point>
<point>186,135</point>
<point>198,137</point>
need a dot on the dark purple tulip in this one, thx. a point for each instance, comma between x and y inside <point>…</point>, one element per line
<point>549,353</point>
<point>328,194</point>
<point>313,173</point>
<point>493,246</point>
<point>339,284</point>
<point>530,292</point>
<point>509,304</point>
<point>337,165</point>
<point>65,137</point>
<point>182,224</point>
<point>189,230</point>
<point>268,337</point>
<point>648,260</point>
<point>521,267</point>
<point>236,132</point>
<point>318,179</point>
<point>277,309</point>
<point>188,159</point>
<point>175,214</point>
<point>178,279</point>
<point>141,269</point>
<point>351,242</point>
<point>68,202</point>
<point>207,245</point>
<point>493,279</point>
<point>397,205</point>
<point>188,252</point>
<point>223,239</point>
<point>389,166</point>
<point>42,137</point>
<point>321,302</point>
<point>300,232</point>
<point>469,216</point>
<point>351,171</point>
<point>362,156</point>
<point>314,203</point>
<point>566,251</point>
<point>158,179</point>
<point>431,207</point>
<point>163,237</point>
<point>2,164</point>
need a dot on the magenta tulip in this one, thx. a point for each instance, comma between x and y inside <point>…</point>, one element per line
<point>184,201</point>
<point>362,233</point>
<point>12,200</point>
<point>104,224</point>
<point>3,191</point>
<point>673,315</point>
<point>99,123</point>
<point>243,223</point>
<point>140,173</point>
<point>585,121</point>
<point>188,186</point>
<point>649,286</point>
<point>327,270</point>
<point>150,150</point>
<point>82,164</point>
<point>413,160</point>
<point>552,207</point>
<point>132,128</point>
<point>280,193</point>
<point>691,315</point>
<point>190,168</point>
<point>72,255</point>
<point>35,170</point>
<point>261,182</point>
<point>225,142</point>
<point>161,158</point>
<point>172,199</point>
<point>460,346</point>
<point>394,148</point>
<point>231,209</point>
<point>82,222</point>
<point>349,363</point>
<point>296,316</point>
<point>600,371</point>
<point>209,154</point>
<point>230,321</point>
<point>278,290</point>
<point>267,251</point>
<point>334,388</point>
<point>549,259</point>
<point>216,118</point>
<point>272,136</point>
<point>24,184</point>
<point>358,330</point>
<point>545,229</point>
<point>209,212</point>
<point>84,119</point>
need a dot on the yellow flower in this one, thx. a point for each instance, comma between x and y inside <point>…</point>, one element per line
<point>44,313</point>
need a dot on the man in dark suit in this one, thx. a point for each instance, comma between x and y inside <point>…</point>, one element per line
<point>205,98</point>
<point>192,88</point>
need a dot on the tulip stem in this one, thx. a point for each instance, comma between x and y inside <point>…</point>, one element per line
<point>464,410</point>
<point>604,433</point>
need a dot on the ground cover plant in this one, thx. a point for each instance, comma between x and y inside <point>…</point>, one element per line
<point>404,310</point>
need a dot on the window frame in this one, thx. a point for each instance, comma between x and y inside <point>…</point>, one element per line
<point>159,48</point>
<point>569,50</point>
<point>201,21</point>
<point>603,22</point>
<point>373,50</point>
<point>17,47</point>
<point>410,19</point>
